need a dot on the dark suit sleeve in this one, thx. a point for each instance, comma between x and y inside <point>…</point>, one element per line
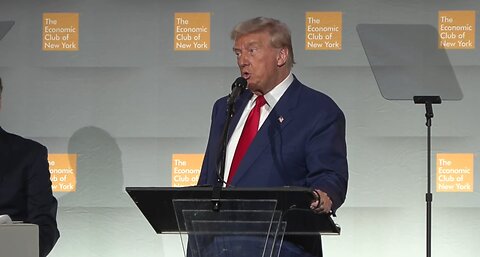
<point>41,205</point>
<point>327,157</point>
<point>209,164</point>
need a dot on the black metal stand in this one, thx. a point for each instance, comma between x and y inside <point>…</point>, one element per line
<point>238,87</point>
<point>428,101</point>
<point>217,188</point>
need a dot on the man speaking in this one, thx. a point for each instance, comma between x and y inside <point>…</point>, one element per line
<point>283,133</point>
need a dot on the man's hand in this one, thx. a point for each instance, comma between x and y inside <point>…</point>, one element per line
<point>321,203</point>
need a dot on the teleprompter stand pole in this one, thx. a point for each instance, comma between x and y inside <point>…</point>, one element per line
<point>428,101</point>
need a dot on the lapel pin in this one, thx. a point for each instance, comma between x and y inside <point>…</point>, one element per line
<point>280,119</point>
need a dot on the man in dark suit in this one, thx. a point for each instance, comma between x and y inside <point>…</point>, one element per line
<point>300,133</point>
<point>25,187</point>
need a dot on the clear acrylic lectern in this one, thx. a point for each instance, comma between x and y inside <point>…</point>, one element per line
<point>250,222</point>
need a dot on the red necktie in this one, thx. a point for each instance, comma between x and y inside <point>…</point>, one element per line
<point>248,133</point>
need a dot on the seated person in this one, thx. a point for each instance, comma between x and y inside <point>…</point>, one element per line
<point>25,186</point>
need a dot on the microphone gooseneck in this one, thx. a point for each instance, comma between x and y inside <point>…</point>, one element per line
<point>238,86</point>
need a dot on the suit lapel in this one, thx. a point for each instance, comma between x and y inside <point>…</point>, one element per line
<point>280,116</point>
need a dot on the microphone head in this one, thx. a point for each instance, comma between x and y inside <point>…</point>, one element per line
<point>240,82</point>
<point>238,87</point>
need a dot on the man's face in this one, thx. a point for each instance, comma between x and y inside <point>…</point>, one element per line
<point>260,64</point>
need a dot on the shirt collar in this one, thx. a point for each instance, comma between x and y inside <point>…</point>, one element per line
<point>277,92</point>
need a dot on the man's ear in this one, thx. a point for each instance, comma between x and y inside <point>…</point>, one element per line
<point>282,56</point>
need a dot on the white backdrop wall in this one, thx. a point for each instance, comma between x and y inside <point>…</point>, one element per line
<point>125,102</point>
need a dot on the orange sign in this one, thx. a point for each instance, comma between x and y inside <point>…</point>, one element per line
<point>323,31</point>
<point>455,172</point>
<point>186,169</point>
<point>456,29</point>
<point>192,32</point>
<point>63,172</point>
<point>60,32</point>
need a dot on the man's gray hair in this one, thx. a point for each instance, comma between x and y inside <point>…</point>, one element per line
<point>278,31</point>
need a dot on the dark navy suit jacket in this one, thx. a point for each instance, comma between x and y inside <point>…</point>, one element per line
<point>301,143</point>
<point>25,187</point>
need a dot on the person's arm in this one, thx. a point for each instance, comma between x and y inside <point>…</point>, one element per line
<point>208,166</point>
<point>41,204</point>
<point>327,163</point>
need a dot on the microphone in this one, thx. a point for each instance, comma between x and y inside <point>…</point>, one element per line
<point>238,86</point>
